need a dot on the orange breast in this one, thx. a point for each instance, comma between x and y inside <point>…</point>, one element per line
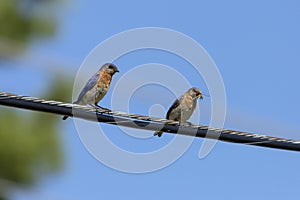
<point>105,79</point>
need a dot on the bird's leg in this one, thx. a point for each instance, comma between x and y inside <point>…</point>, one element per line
<point>97,106</point>
<point>92,105</point>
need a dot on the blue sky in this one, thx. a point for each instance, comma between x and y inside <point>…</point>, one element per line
<point>255,45</point>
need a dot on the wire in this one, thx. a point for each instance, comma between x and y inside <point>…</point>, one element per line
<point>145,122</point>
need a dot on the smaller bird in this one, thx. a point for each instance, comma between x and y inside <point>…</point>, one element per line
<point>183,107</point>
<point>97,86</point>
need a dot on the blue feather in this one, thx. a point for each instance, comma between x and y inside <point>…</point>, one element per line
<point>89,85</point>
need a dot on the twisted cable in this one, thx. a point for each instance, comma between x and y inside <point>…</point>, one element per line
<point>145,122</point>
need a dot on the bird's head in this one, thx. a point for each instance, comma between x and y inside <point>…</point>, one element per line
<point>109,68</point>
<point>195,93</point>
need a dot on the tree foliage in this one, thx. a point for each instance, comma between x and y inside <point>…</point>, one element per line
<point>29,141</point>
<point>21,22</point>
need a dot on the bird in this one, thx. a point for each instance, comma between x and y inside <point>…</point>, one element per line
<point>96,87</point>
<point>183,107</point>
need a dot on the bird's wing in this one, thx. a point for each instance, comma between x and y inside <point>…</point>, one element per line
<point>174,105</point>
<point>89,85</point>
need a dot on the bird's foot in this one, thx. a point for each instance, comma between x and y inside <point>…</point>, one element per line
<point>93,106</point>
<point>96,106</point>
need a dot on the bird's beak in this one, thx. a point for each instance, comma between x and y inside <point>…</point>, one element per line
<point>200,95</point>
<point>117,70</point>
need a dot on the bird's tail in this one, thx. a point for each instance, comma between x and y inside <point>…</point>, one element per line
<point>65,117</point>
<point>158,133</point>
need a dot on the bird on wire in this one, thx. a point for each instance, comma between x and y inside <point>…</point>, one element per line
<point>183,107</point>
<point>96,87</point>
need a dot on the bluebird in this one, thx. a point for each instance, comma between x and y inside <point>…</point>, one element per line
<point>183,107</point>
<point>97,86</point>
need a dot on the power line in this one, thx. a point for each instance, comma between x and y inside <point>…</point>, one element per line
<point>145,122</point>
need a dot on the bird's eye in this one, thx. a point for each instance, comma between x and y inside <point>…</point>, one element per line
<point>111,67</point>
